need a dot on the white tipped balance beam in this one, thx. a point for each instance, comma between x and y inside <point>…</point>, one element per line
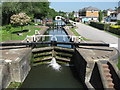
<point>113,45</point>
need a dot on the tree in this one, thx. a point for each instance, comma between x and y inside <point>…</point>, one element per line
<point>20,19</point>
<point>52,13</point>
<point>40,9</point>
<point>100,16</point>
<point>71,15</point>
<point>61,13</point>
<point>33,9</point>
<point>7,11</point>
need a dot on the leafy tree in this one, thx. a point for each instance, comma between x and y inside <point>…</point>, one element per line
<point>7,11</point>
<point>52,13</point>
<point>71,15</point>
<point>100,16</point>
<point>61,13</point>
<point>20,19</point>
<point>104,12</point>
<point>40,9</point>
<point>33,9</point>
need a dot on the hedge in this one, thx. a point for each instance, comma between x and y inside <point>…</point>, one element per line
<point>99,25</point>
<point>110,28</point>
<point>118,22</point>
<point>114,30</point>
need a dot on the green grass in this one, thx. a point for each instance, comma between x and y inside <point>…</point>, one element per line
<point>14,85</point>
<point>8,35</point>
<point>118,62</point>
<point>77,34</point>
<point>113,34</point>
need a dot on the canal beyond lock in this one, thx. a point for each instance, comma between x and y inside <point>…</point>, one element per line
<point>43,76</point>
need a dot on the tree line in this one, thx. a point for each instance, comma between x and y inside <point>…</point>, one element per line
<point>39,10</point>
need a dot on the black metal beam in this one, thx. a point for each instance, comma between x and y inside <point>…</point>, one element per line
<point>54,43</point>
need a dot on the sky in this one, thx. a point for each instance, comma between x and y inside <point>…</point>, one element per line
<point>75,6</point>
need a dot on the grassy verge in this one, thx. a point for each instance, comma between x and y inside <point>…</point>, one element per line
<point>113,34</point>
<point>9,35</point>
<point>14,85</point>
<point>77,34</point>
<point>118,62</point>
<point>73,30</point>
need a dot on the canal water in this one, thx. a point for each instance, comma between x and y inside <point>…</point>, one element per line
<point>43,76</point>
<point>57,32</point>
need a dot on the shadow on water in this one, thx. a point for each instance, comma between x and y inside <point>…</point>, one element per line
<point>43,76</point>
<point>77,77</point>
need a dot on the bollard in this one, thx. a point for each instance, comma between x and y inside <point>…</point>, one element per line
<point>53,43</point>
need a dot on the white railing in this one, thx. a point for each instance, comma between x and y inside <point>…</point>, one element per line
<point>36,38</point>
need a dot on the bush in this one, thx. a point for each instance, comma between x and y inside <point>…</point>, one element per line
<point>69,24</point>
<point>110,28</point>
<point>99,25</point>
<point>114,29</point>
<point>118,22</point>
<point>115,26</point>
<point>31,23</point>
<point>7,27</point>
<point>20,19</point>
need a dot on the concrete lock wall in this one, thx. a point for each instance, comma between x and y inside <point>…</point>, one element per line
<point>95,79</point>
<point>15,70</point>
<point>80,65</point>
<point>4,75</point>
<point>115,77</point>
<point>20,68</point>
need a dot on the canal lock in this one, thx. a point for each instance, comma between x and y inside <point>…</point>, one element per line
<point>45,54</point>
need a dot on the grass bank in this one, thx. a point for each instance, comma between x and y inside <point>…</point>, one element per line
<point>77,34</point>
<point>10,35</point>
<point>118,62</point>
<point>14,85</point>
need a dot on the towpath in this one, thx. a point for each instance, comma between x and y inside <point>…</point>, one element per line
<point>96,34</point>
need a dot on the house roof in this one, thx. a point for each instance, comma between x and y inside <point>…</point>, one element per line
<point>109,9</point>
<point>89,9</point>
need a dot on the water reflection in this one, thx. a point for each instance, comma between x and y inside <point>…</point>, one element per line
<point>59,38</point>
